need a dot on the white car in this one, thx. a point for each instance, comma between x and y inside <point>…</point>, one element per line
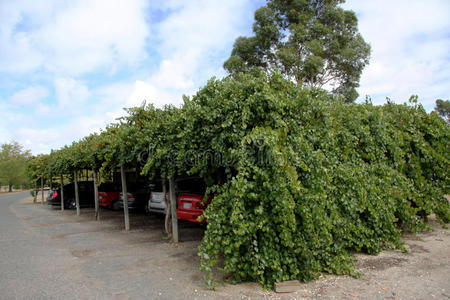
<point>156,201</point>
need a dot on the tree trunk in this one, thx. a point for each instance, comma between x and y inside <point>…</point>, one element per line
<point>10,188</point>
<point>125,198</point>
<point>168,220</point>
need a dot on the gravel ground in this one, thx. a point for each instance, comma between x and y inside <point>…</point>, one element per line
<point>49,254</point>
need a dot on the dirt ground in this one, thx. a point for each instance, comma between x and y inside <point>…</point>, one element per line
<point>144,259</point>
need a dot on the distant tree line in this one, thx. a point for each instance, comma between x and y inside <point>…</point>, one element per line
<point>13,159</point>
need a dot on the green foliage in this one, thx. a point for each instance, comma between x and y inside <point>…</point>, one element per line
<point>313,179</point>
<point>316,43</point>
<point>13,164</point>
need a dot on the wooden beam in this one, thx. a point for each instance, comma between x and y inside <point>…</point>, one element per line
<point>125,198</point>
<point>62,191</point>
<point>173,209</point>
<point>77,196</point>
<point>287,286</point>
<point>94,173</point>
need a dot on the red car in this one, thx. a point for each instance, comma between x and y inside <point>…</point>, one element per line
<point>189,201</point>
<point>109,193</point>
<point>190,207</point>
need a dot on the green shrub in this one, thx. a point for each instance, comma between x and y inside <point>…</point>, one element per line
<point>312,179</point>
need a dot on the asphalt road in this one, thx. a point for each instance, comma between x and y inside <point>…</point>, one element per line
<point>49,254</point>
<point>28,270</point>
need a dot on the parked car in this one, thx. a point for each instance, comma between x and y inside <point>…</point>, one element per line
<point>138,194</point>
<point>86,195</point>
<point>48,192</point>
<point>190,193</point>
<point>156,202</point>
<point>109,194</point>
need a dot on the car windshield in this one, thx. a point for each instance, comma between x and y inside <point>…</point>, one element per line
<point>191,185</point>
<point>109,187</point>
<point>158,187</point>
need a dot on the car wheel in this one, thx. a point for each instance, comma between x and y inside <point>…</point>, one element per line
<point>115,205</point>
<point>71,203</point>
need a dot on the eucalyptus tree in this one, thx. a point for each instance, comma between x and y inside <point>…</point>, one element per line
<point>443,109</point>
<point>315,43</point>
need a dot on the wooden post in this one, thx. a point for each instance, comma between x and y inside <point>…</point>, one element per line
<point>35,192</point>
<point>125,198</point>
<point>42,190</point>
<point>62,192</point>
<point>94,173</point>
<point>77,196</point>
<point>87,175</point>
<point>167,220</point>
<point>173,208</point>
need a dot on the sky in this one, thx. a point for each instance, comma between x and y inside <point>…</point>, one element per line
<point>68,68</point>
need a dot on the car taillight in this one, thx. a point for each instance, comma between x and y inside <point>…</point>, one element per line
<point>130,196</point>
<point>55,194</point>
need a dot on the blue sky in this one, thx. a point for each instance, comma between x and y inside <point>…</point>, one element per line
<point>67,68</point>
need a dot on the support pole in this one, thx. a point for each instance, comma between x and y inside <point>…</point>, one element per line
<point>167,220</point>
<point>125,198</point>
<point>42,190</point>
<point>173,208</point>
<point>94,173</point>
<point>35,192</point>
<point>77,196</point>
<point>62,192</point>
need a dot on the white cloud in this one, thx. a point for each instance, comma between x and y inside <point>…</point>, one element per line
<point>71,95</point>
<point>194,41</point>
<point>410,42</point>
<point>73,37</point>
<point>30,95</point>
<point>144,91</point>
<point>172,74</point>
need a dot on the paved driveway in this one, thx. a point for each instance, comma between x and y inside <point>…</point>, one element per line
<point>48,254</point>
